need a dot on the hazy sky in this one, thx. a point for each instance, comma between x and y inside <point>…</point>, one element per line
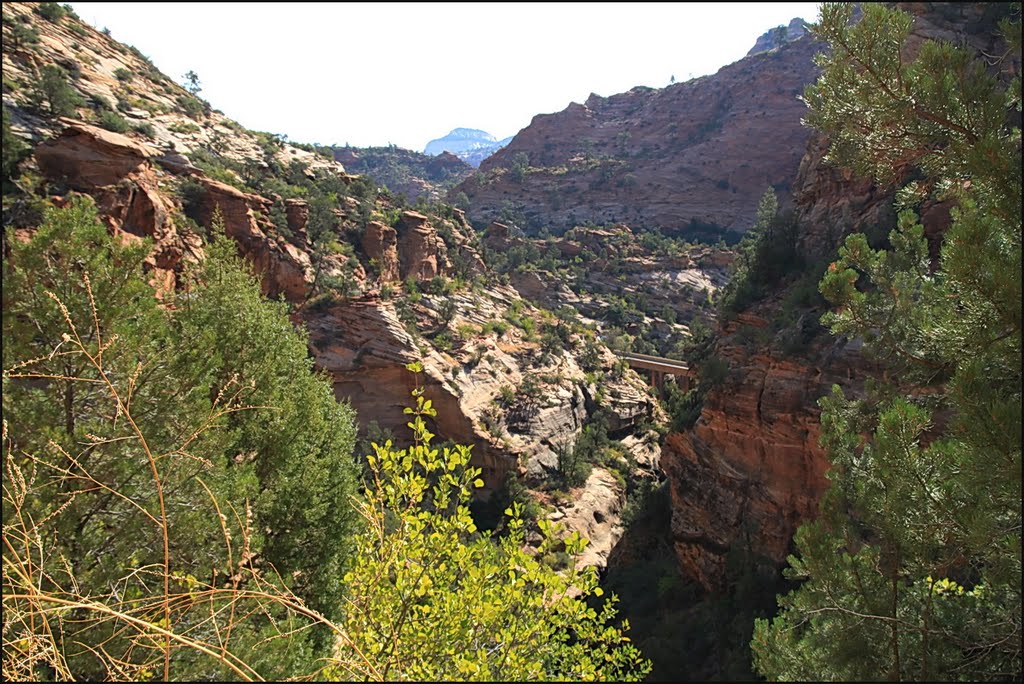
<point>379,73</point>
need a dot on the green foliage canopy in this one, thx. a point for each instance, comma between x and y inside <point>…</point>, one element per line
<point>159,434</point>
<point>432,598</point>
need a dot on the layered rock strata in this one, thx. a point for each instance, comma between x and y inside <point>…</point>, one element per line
<point>695,155</point>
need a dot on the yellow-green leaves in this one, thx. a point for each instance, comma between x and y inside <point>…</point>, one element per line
<point>434,599</point>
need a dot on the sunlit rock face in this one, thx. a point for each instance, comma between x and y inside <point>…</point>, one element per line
<point>691,156</point>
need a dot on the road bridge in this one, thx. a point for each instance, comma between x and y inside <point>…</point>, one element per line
<point>659,367</point>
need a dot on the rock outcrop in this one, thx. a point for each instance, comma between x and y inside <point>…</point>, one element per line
<point>694,157</point>
<point>595,515</point>
<point>779,36</point>
<point>88,157</point>
<point>422,253</point>
<point>380,242</point>
<point>284,267</point>
<point>120,174</point>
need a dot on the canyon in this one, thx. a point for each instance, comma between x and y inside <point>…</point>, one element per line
<point>594,231</point>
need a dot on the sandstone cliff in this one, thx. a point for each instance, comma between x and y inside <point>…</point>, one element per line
<point>751,470</point>
<point>694,156</point>
<point>385,287</point>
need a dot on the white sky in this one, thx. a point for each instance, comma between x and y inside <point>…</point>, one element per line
<point>403,73</point>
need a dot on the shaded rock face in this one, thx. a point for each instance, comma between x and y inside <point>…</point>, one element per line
<point>752,470</point>
<point>693,154</point>
<point>380,242</point>
<point>422,253</point>
<point>284,268</point>
<point>297,214</point>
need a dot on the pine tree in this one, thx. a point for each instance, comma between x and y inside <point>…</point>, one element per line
<point>184,451</point>
<point>913,570</point>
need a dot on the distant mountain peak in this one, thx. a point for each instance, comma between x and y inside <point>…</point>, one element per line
<point>780,35</point>
<point>469,144</point>
<point>471,134</point>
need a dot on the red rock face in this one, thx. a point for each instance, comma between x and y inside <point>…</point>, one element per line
<point>119,174</point>
<point>751,470</point>
<point>284,268</point>
<point>87,157</point>
<point>380,242</point>
<point>705,150</point>
<point>422,252</point>
<point>297,214</point>
<point>364,348</point>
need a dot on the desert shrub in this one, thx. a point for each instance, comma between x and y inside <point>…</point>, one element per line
<point>112,121</point>
<point>145,128</point>
<point>55,91</point>
<point>51,11</point>
<point>190,105</point>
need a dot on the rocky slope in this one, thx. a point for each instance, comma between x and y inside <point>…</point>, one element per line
<point>404,172</point>
<point>387,288</point>
<point>648,287</point>
<point>120,87</point>
<point>751,471</point>
<point>694,156</point>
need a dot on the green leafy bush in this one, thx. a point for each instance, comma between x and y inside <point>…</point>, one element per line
<point>14,151</point>
<point>432,598</point>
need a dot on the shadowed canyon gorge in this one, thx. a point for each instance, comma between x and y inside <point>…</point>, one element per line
<point>615,226</point>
